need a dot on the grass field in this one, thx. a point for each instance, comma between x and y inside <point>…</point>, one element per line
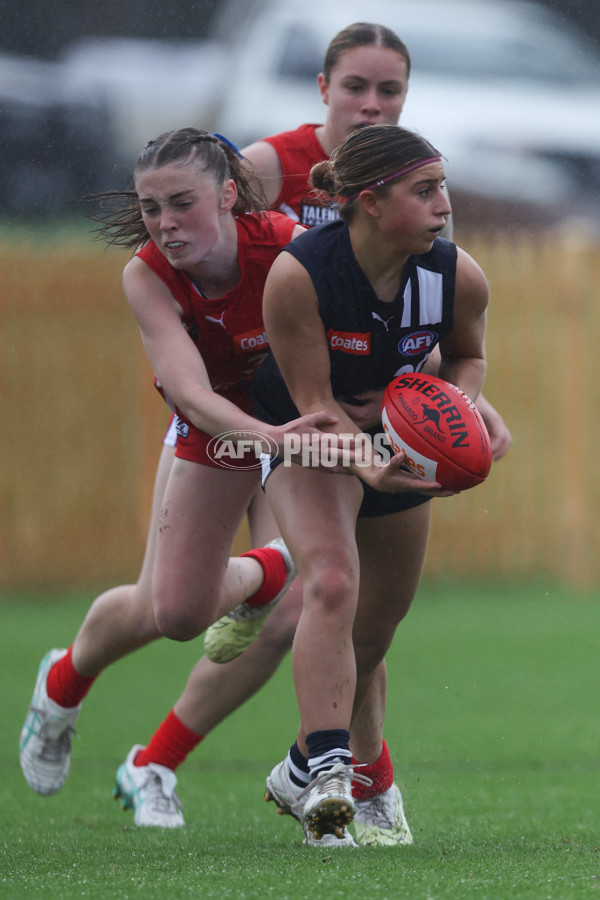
<point>493,725</point>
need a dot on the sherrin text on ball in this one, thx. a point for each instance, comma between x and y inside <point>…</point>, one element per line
<point>439,428</point>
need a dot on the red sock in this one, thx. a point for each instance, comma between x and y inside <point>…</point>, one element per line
<point>65,685</point>
<point>381,772</point>
<point>170,744</point>
<point>275,574</point>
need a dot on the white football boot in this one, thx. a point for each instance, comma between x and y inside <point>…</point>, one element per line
<point>45,744</point>
<point>149,791</point>
<point>380,820</point>
<point>291,799</point>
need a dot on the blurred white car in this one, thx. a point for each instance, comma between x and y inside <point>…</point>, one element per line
<point>149,86</point>
<point>505,90</point>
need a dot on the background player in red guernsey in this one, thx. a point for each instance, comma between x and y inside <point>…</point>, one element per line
<point>364,81</point>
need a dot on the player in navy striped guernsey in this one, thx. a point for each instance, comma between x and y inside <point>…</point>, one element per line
<point>371,339</point>
<point>348,306</point>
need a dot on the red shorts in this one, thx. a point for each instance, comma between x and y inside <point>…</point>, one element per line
<point>218,453</point>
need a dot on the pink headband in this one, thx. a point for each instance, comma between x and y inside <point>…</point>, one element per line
<point>395,175</point>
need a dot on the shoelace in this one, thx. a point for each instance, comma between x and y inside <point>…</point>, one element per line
<point>380,811</point>
<point>336,774</point>
<point>157,798</point>
<point>246,613</point>
<point>54,748</point>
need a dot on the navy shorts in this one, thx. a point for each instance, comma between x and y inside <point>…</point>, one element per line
<point>374,503</point>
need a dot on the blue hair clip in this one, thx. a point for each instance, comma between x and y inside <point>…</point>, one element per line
<point>229,143</point>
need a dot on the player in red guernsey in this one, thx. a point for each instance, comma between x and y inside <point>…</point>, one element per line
<point>195,287</point>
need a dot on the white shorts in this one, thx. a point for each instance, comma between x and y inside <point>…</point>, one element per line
<point>170,438</point>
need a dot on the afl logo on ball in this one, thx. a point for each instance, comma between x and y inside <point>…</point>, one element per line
<point>417,342</point>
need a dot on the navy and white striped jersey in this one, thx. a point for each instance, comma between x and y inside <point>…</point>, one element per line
<point>370,341</point>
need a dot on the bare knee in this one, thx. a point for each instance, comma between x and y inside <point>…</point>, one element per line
<point>142,614</point>
<point>333,588</point>
<point>370,653</point>
<point>129,605</point>
<point>179,622</point>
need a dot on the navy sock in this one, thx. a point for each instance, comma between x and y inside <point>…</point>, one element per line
<point>326,748</point>
<point>297,767</point>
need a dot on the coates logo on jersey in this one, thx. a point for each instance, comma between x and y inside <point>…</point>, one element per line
<point>350,342</point>
<point>417,342</point>
<point>251,341</point>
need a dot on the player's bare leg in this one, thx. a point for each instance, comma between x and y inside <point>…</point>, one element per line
<point>380,819</point>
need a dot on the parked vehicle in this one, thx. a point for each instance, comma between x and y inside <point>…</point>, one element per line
<point>54,146</point>
<point>149,86</point>
<point>74,126</point>
<point>504,89</point>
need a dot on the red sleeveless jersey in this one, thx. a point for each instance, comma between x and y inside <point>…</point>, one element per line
<point>298,151</point>
<point>229,331</point>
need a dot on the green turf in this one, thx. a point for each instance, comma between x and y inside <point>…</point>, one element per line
<point>493,724</point>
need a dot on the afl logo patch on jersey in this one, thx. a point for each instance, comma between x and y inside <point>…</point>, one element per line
<point>417,342</point>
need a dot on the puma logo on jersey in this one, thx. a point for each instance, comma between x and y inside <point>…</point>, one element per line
<point>218,321</point>
<point>384,322</point>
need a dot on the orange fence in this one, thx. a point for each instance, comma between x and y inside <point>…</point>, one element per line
<point>82,424</point>
<point>538,514</point>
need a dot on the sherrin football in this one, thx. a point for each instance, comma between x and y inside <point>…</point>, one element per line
<point>439,428</point>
